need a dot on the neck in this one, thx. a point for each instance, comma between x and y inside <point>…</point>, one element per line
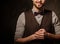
<point>35,9</point>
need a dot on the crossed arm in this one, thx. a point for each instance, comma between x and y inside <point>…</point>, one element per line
<point>38,35</point>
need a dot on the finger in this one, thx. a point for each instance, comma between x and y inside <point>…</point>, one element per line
<point>39,37</point>
<point>42,30</point>
<point>40,33</point>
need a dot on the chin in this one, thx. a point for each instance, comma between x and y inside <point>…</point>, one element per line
<point>39,6</point>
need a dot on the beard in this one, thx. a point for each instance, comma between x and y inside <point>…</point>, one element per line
<point>41,7</point>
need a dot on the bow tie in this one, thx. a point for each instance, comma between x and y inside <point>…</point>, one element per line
<point>36,13</point>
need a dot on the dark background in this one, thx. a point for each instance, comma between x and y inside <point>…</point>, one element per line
<point>11,9</point>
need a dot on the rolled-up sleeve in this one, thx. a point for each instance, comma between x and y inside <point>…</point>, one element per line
<point>56,23</point>
<point>20,26</point>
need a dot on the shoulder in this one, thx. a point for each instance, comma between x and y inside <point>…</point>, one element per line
<point>54,18</point>
<point>21,16</point>
<point>54,14</point>
<point>21,19</point>
<point>47,10</point>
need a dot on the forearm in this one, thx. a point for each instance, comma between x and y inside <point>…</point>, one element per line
<point>53,36</point>
<point>26,39</point>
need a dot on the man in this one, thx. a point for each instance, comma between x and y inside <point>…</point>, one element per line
<point>37,26</point>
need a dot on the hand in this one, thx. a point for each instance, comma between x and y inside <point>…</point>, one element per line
<point>40,34</point>
<point>37,35</point>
